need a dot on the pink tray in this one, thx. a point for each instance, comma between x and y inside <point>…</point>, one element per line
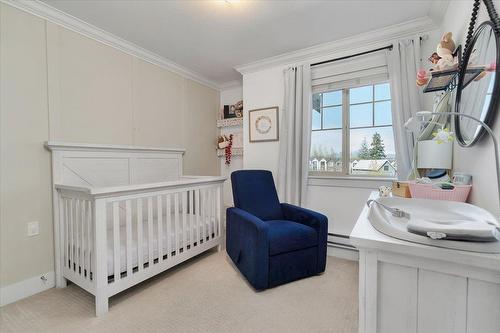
<point>427,191</point>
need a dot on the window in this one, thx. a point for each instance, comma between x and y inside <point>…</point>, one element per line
<point>352,132</point>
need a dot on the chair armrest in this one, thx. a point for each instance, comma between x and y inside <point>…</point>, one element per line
<point>248,246</point>
<point>313,219</point>
<point>305,216</point>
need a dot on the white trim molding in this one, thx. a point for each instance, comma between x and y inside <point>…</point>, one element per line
<point>56,16</point>
<point>231,85</point>
<point>57,145</point>
<point>345,46</point>
<point>22,289</point>
<point>350,181</point>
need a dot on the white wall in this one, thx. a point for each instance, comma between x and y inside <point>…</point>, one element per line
<point>229,97</point>
<point>262,89</point>
<point>59,85</point>
<point>478,160</point>
<point>340,200</point>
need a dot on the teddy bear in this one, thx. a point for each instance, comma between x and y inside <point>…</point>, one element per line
<point>445,50</point>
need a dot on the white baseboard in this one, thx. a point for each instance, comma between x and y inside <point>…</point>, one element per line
<point>344,253</point>
<point>14,292</point>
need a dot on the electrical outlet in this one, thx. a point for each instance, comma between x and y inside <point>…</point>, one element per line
<point>33,228</point>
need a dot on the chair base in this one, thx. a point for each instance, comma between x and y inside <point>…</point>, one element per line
<point>283,268</point>
<point>292,266</point>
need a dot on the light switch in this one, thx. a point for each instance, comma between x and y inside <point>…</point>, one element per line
<point>33,228</point>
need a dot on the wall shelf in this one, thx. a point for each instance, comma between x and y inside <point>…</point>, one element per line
<point>236,151</point>
<point>230,122</point>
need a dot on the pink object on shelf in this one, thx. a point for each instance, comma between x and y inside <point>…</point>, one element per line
<point>429,191</point>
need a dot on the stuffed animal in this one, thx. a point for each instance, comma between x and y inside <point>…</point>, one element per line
<point>445,50</point>
<point>422,78</point>
<point>384,191</point>
<point>238,109</point>
<point>223,141</point>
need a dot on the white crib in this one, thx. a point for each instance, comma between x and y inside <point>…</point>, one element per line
<point>123,214</point>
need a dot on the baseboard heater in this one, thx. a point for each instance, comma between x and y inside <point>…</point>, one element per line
<point>333,243</point>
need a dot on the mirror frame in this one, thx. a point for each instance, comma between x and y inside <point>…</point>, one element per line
<point>491,113</point>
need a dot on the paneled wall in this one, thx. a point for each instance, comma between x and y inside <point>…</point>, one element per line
<point>59,85</point>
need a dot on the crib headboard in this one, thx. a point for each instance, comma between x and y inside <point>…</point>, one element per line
<point>94,165</point>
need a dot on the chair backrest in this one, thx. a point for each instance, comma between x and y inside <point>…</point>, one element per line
<point>254,192</point>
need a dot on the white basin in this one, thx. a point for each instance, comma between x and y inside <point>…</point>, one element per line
<point>431,210</point>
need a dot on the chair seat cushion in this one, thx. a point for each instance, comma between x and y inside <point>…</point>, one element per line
<point>286,236</point>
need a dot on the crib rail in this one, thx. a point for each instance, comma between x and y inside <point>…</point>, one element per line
<point>113,239</point>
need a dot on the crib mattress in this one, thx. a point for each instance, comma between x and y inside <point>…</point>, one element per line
<point>145,244</point>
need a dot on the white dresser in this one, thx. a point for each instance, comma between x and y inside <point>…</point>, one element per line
<point>407,287</point>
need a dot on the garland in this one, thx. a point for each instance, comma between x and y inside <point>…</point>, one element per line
<point>228,151</point>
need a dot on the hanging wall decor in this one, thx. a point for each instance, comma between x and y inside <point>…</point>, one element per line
<point>263,124</point>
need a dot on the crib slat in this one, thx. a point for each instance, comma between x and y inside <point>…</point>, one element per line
<point>71,243</point>
<point>204,214</point>
<point>76,235</point>
<point>176,226</point>
<point>198,213</point>
<point>212,212</point>
<point>150,231</point>
<point>191,219</point>
<point>128,230</point>
<point>169,226</point>
<point>209,212</point>
<point>218,211</point>
<point>116,240</point>
<point>82,237</point>
<point>66,233</point>
<point>160,227</point>
<point>89,237</point>
<point>184,221</point>
<point>140,255</point>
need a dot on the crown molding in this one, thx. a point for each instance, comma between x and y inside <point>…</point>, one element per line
<point>231,84</point>
<point>345,46</point>
<point>56,16</point>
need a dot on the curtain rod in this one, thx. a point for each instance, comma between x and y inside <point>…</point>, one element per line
<point>389,47</point>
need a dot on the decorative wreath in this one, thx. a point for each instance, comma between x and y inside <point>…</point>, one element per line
<point>263,124</point>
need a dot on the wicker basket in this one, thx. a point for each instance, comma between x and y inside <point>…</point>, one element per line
<point>429,191</point>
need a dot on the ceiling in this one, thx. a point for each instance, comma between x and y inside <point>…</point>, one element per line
<point>211,37</point>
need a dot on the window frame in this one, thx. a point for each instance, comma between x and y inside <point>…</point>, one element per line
<point>346,144</point>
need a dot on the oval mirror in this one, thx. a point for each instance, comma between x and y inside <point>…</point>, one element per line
<point>477,91</point>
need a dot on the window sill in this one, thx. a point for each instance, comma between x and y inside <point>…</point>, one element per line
<point>350,181</point>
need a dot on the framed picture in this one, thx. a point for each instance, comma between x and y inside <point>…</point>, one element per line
<point>263,124</point>
<point>228,112</point>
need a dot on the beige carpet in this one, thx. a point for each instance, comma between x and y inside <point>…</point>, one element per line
<point>205,294</point>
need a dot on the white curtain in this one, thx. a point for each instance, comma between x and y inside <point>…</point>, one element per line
<point>295,135</point>
<point>403,61</point>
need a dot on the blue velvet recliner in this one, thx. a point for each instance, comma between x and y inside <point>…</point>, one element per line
<point>269,242</point>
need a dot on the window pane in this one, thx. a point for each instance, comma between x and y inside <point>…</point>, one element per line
<point>326,151</point>
<point>316,119</point>
<point>361,115</point>
<point>361,94</point>
<point>383,114</point>
<point>372,152</point>
<point>382,91</point>
<point>332,98</point>
<point>332,117</point>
